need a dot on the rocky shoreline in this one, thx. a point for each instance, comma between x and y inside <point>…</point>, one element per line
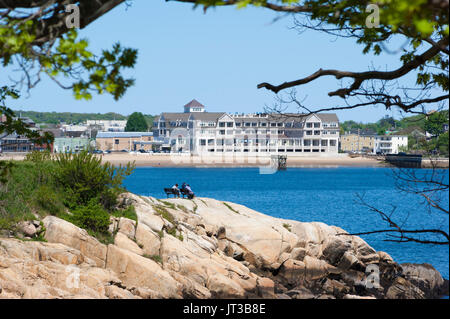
<point>204,248</point>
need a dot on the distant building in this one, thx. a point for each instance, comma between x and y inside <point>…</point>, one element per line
<point>19,143</point>
<point>72,144</point>
<point>74,128</point>
<point>358,141</point>
<point>14,143</point>
<point>390,144</point>
<point>118,141</point>
<point>206,133</point>
<point>107,125</point>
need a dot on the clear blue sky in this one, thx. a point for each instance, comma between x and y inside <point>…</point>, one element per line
<point>217,58</point>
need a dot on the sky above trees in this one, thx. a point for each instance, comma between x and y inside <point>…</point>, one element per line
<point>218,58</point>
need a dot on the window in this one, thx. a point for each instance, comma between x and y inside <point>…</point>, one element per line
<point>263,124</point>
<point>116,141</point>
<point>316,125</point>
<point>247,124</point>
<point>309,125</point>
<point>222,132</point>
<point>324,142</point>
<point>238,124</point>
<point>308,132</point>
<point>315,142</point>
<point>307,142</point>
<point>280,124</point>
<point>230,124</point>
<point>254,124</point>
<point>332,142</point>
<point>202,142</point>
<point>316,132</point>
<point>273,124</point>
<point>222,124</point>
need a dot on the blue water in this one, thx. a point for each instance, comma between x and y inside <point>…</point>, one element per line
<point>314,194</point>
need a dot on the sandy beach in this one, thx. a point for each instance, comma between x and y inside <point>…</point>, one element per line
<point>148,160</point>
<point>176,160</point>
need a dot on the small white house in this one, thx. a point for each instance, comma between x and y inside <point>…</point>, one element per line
<point>389,144</point>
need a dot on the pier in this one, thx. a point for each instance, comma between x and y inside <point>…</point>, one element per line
<point>279,161</point>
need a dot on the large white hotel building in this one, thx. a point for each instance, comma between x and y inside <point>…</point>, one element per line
<point>206,133</point>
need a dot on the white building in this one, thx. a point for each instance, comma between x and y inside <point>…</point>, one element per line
<point>390,144</point>
<point>207,133</point>
<point>108,125</point>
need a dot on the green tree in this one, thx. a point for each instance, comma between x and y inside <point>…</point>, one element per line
<point>35,37</point>
<point>136,123</point>
<point>36,41</point>
<point>442,144</point>
<point>434,124</point>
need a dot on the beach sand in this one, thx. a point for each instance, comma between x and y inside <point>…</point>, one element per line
<point>176,160</point>
<point>167,160</point>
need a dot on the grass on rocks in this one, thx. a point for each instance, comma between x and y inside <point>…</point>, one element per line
<point>164,213</point>
<point>155,258</point>
<point>230,208</point>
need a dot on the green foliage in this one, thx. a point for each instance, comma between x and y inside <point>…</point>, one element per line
<point>231,208</point>
<point>53,187</point>
<point>164,213</point>
<point>18,199</point>
<point>16,125</point>
<point>68,57</point>
<point>48,200</point>
<point>183,208</point>
<point>136,123</point>
<point>173,232</point>
<point>168,204</point>
<point>128,212</point>
<point>68,117</point>
<point>287,226</point>
<point>155,258</point>
<point>84,177</point>
<point>435,122</point>
<point>92,217</point>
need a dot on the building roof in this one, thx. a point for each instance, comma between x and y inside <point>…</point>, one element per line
<point>194,103</point>
<point>172,117</point>
<point>207,116</point>
<point>122,134</point>
<point>55,131</point>
<point>328,117</point>
<point>365,132</point>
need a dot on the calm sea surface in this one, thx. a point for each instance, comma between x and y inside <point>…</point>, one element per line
<point>313,194</point>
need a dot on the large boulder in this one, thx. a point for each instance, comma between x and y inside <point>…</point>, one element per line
<point>138,271</point>
<point>426,278</point>
<point>61,231</point>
